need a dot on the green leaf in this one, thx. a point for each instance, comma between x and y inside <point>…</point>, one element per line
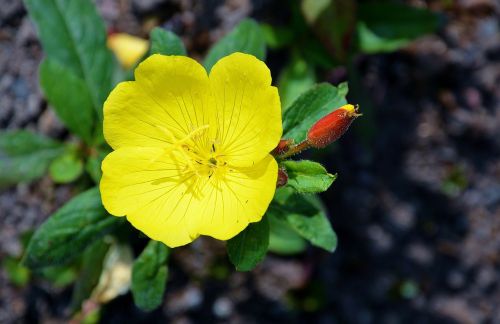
<point>249,247</point>
<point>92,265</point>
<point>282,238</point>
<point>149,276</point>
<point>66,168</point>
<point>59,276</point>
<point>165,42</point>
<point>246,37</point>
<point>277,36</point>
<point>385,27</point>
<point>93,166</point>
<point>69,231</point>
<point>315,54</point>
<point>333,22</point>
<point>308,176</point>
<point>313,9</point>
<point>310,107</point>
<point>306,215</point>
<point>69,96</point>
<point>17,274</point>
<point>371,43</point>
<point>25,156</point>
<point>316,229</point>
<point>297,77</point>
<point>73,35</point>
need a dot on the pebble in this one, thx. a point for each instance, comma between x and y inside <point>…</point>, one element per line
<point>222,307</point>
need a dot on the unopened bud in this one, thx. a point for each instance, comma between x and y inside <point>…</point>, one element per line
<point>283,146</point>
<point>282,178</point>
<point>331,127</point>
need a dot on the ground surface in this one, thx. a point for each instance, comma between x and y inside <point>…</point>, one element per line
<point>416,206</point>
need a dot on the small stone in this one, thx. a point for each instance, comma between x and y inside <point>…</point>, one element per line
<point>420,254</point>
<point>145,6</point>
<point>222,307</point>
<point>188,298</point>
<point>380,238</point>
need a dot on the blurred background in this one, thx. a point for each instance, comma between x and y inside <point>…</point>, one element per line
<point>416,206</point>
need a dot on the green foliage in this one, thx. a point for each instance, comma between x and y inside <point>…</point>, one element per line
<point>277,37</point>
<point>306,215</point>
<point>313,9</point>
<point>93,165</point>
<point>69,96</point>
<point>333,21</point>
<point>66,168</point>
<point>247,37</point>
<point>310,107</point>
<point>25,156</point>
<point>17,274</point>
<point>282,238</point>
<point>149,276</point>
<point>386,27</point>
<point>248,248</point>
<point>297,77</point>
<point>369,42</point>
<point>92,264</point>
<point>299,38</point>
<point>69,231</point>
<point>74,36</point>
<point>308,176</point>
<point>165,42</point>
<point>59,276</point>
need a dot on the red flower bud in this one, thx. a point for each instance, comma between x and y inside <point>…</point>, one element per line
<point>331,127</point>
<point>283,146</point>
<point>282,178</point>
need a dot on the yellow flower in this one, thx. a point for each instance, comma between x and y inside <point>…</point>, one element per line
<point>192,150</point>
<point>127,48</point>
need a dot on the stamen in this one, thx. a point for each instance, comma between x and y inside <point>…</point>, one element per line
<point>179,144</point>
<point>198,161</point>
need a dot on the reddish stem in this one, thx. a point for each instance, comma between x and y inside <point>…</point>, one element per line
<point>295,149</point>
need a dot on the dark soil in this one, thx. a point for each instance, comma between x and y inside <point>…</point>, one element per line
<point>416,206</point>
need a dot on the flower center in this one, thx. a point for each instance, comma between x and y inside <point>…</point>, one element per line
<point>201,162</point>
<point>198,153</point>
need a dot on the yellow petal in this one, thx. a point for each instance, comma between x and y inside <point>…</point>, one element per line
<point>127,48</point>
<point>148,186</point>
<point>248,109</point>
<point>229,204</point>
<point>175,207</point>
<point>169,99</point>
<point>132,176</point>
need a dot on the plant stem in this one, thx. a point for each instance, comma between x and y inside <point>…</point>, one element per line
<point>295,149</point>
